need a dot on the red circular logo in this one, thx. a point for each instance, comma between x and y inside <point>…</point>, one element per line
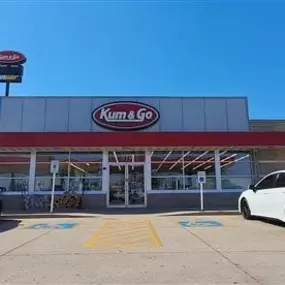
<point>11,57</point>
<point>125,115</point>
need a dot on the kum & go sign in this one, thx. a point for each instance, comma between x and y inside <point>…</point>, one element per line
<point>125,115</point>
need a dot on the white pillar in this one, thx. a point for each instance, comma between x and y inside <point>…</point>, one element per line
<point>183,170</point>
<point>32,174</point>
<point>105,172</point>
<point>147,172</point>
<point>218,170</point>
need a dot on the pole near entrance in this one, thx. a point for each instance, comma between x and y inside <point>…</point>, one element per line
<point>52,192</point>
<point>201,175</point>
<point>54,168</point>
<point>7,89</point>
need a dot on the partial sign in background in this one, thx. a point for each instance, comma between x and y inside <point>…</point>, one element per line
<point>11,68</point>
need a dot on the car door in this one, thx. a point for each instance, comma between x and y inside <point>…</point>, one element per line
<point>279,197</point>
<point>264,196</point>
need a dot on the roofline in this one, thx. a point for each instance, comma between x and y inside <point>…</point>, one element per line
<point>266,120</point>
<point>127,97</point>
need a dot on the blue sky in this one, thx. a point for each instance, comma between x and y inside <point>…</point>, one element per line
<point>176,48</point>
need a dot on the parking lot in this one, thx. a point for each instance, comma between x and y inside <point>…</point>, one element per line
<point>143,249</point>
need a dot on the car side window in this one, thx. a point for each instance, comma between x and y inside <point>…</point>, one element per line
<point>267,183</point>
<point>280,182</point>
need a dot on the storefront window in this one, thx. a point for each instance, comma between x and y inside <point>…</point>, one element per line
<point>166,170</point>
<point>77,171</point>
<point>196,161</point>
<point>85,171</point>
<point>43,179</point>
<point>14,171</point>
<point>236,172</point>
<point>177,170</point>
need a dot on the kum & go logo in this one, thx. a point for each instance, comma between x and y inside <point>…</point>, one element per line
<point>125,115</point>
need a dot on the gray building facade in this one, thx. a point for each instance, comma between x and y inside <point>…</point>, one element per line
<point>73,114</point>
<point>132,152</point>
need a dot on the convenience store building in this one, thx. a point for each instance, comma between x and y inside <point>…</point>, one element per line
<point>135,152</point>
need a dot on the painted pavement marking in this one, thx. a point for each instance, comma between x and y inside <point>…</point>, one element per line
<point>200,223</point>
<point>60,226</point>
<point>133,233</point>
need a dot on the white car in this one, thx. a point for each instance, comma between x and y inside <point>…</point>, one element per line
<point>265,199</point>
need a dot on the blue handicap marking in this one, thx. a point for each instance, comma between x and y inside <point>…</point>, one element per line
<point>65,225</point>
<point>60,226</point>
<point>184,224</point>
<point>207,223</point>
<point>200,223</point>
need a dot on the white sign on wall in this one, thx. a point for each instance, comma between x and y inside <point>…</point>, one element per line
<point>201,177</point>
<point>54,166</point>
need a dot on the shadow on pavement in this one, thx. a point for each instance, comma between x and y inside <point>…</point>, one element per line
<point>271,222</point>
<point>7,225</point>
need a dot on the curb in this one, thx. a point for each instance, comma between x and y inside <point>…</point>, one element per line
<point>106,214</point>
<point>204,213</point>
<point>44,216</point>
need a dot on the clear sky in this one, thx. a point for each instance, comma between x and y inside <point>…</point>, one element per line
<point>194,48</point>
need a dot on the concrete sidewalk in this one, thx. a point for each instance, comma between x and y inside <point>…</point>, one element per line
<point>111,212</point>
<point>142,250</point>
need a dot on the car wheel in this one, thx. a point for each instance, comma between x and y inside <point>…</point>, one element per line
<point>245,210</point>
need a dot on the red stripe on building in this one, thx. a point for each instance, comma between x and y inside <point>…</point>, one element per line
<point>142,139</point>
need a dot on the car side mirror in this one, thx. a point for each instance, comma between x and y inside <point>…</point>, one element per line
<point>252,187</point>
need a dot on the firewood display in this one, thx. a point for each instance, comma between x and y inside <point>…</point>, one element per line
<point>66,200</point>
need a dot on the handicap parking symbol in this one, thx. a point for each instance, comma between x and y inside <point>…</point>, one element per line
<point>60,226</point>
<point>210,223</point>
<point>200,223</point>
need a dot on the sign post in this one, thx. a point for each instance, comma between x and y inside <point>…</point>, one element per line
<point>201,180</point>
<point>7,89</point>
<point>54,168</point>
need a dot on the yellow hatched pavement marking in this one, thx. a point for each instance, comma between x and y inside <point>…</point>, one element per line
<point>132,233</point>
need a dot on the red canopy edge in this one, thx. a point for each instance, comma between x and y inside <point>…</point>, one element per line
<point>141,139</point>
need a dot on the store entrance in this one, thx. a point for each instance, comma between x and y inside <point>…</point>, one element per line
<point>126,185</point>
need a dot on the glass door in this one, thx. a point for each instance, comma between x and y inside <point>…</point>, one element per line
<point>126,185</point>
<point>135,186</point>
<point>117,186</point>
